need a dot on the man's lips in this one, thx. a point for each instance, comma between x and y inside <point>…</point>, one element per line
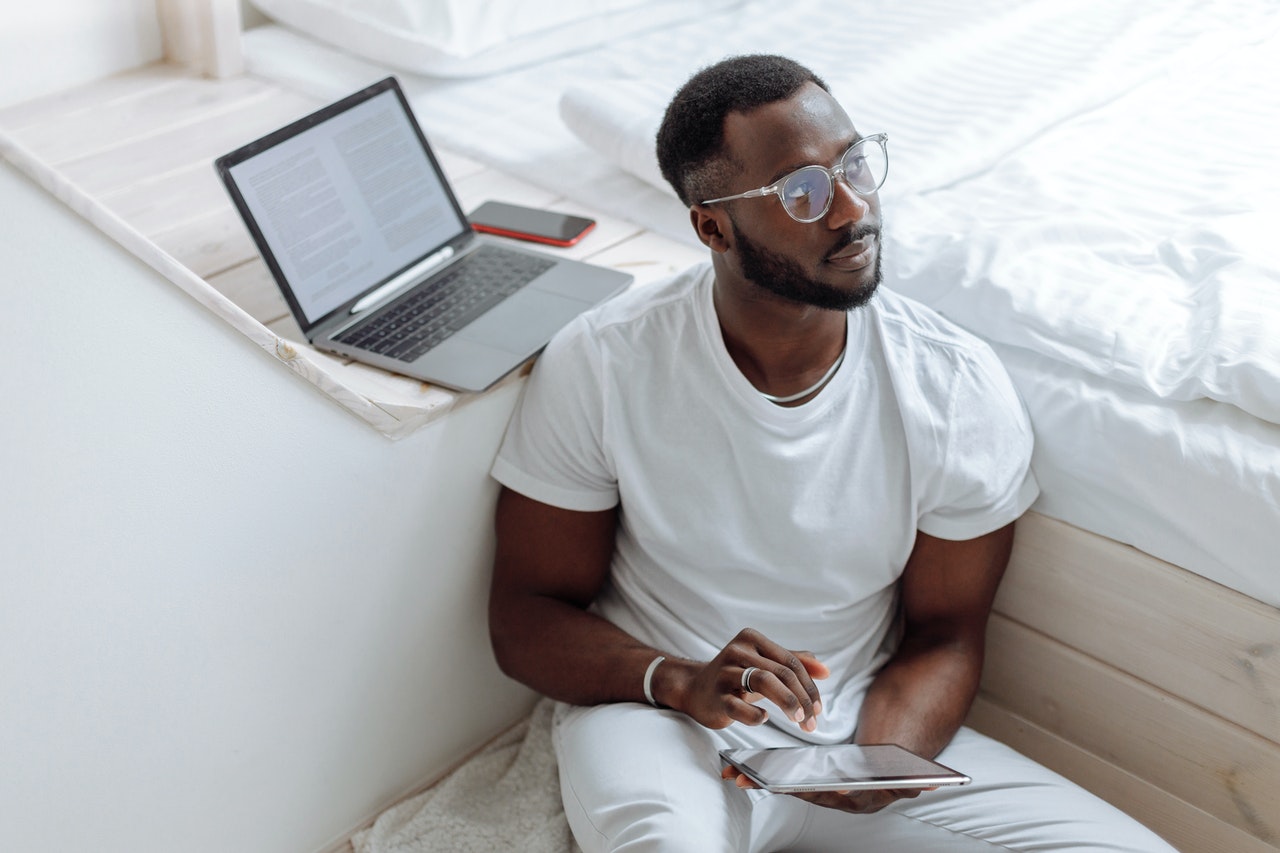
<point>857,254</point>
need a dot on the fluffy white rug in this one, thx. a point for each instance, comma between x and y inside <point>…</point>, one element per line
<point>506,798</point>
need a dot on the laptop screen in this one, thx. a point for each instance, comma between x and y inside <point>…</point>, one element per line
<point>346,203</point>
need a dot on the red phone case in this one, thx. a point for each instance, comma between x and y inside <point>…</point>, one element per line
<point>533,238</point>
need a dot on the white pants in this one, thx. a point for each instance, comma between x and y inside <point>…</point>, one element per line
<point>635,778</point>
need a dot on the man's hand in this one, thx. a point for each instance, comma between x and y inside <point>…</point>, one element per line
<point>854,802</point>
<point>713,693</point>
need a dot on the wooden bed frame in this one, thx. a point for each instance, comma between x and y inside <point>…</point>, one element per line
<point>1147,684</point>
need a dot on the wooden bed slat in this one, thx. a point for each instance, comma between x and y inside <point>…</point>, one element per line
<point>132,118</point>
<point>1198,757</point>
<point>111,169</point>
<point>1187,828</point>
<point>209,243</point>
<point>251,287</point>
<point>158,204</point>
<point>137,82</point>
<point>1203,642</point>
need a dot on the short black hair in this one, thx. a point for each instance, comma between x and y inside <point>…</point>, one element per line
<point>691,136</point>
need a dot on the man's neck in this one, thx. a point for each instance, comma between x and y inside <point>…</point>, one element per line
<point>780,346</point>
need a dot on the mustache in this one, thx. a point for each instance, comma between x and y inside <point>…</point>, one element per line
<point>848,238</point>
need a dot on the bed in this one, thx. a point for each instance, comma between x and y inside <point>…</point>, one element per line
<point>1093,188</point>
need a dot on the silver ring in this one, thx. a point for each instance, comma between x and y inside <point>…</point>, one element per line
<point>746,678</point>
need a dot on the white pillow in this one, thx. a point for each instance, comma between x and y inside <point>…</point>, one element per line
<point>461,38</point>
<point>619,119</point>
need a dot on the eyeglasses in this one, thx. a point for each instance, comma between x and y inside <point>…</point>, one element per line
<point>807,192</point>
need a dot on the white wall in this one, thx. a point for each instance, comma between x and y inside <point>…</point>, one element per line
<point>93,38</point>
<point>232,617</point>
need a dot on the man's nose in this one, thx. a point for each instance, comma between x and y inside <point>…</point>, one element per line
<point>847,206</point>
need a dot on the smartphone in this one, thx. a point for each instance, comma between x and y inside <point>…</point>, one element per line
<point>843,767</point>
<point>529,223</point>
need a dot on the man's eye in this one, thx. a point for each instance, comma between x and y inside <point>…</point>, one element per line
<point>800,189</point>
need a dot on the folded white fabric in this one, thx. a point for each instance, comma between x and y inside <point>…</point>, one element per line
<point>619,119</point>
<point>505,798</point>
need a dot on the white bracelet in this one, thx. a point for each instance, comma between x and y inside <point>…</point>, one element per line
<point>648,680</point>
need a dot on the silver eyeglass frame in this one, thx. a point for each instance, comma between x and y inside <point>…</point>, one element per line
<point>836,171</point>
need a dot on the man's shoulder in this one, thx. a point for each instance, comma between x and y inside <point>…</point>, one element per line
<point>906,322</point>
<point>652,310</point>
<point>668,300</point>
<point>934,355</point>
<point>673,293</point>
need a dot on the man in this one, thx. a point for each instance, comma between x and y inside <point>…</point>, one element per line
<point>774,502</point>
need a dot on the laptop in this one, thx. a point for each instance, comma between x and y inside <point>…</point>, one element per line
<point>377,261</point>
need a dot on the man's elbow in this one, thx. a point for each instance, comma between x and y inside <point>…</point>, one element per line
<point>502,635</point>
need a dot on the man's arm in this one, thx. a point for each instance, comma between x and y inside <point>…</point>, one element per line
<point>921,697</point>
<point>550,565</point>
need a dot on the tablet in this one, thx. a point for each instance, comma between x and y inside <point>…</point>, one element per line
<point>842,767</point>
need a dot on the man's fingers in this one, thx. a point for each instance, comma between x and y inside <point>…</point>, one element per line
<point>742,781</point>
<point>816,668</point>
<point>856,802</point>
<point>759,667</point>
<point>781,687</point>
<point>744,712</point>
<point>794,693</point>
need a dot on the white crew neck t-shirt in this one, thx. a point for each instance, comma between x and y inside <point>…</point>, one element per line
<point>736,512</point>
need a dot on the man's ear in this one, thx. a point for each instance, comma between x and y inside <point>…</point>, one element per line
<point>711,226</point>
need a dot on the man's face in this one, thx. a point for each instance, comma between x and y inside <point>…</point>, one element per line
<point>832,263</point>
<point>785,277</point>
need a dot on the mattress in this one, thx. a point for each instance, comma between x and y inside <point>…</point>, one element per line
<point>1195,483</point>
<point>1090,188</point>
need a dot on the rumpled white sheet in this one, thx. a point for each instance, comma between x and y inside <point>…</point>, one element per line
<point>1135,242</point>
<point>506,798</point>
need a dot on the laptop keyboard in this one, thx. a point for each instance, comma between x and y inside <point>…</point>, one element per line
<point>432,313</point>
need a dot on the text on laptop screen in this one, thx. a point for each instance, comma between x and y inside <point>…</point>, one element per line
<point>347,203</point>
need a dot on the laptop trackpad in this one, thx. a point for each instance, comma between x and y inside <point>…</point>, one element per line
<point>525,322</point>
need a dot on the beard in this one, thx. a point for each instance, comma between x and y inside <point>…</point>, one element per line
<point>784,277</point>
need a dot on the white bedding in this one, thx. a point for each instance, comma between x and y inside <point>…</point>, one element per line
<point>1090,186</point>
<point>1194,483</point>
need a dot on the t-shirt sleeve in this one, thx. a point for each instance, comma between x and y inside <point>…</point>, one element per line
<point>553,450</point>
<point>983,480</point>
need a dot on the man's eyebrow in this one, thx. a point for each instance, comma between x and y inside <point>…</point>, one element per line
<point>787,170</point>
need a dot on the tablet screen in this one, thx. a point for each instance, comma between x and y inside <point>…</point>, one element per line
<point>839,768</point>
